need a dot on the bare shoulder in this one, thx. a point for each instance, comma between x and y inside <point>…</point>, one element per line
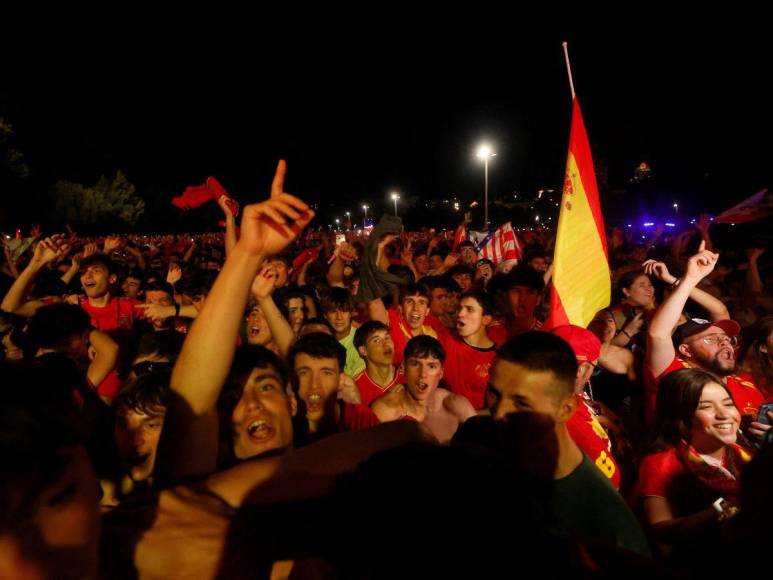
<point>458,406</point>
<point>389,406</point>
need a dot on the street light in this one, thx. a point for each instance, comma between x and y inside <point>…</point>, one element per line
<point>365,219</point>
<point>348,220</point>
<point>484,152</point>
<point>395,197</point>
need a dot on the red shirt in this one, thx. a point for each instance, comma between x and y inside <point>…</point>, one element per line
<point>592,438</point>
<point>466,368</point>
<point>357,418</point>
<point>745,394</point>
<point>370,389</point>
<point>657,473</point>
<point>120,313</point>
<point>497,332</point>
<point>401,334</point>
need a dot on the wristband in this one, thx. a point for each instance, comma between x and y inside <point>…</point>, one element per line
<point>625,333</point>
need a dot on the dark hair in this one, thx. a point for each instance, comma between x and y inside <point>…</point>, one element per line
<point>318,345</point>
<point>246,358</point>
<point>159,286</point>
<point>319,321</point>
<point>418,288</point>
<point>759,364</point>
<point>337,299</point>
<point>98,259</point>
<point>624,282</point>
<point>53,326</point>
<point>445,282</point>
<point>282,297</point>
<point>146,394</point>
<point>542,352</point>
<point>461,269</point>
<point>48,283</point>
<point>526,277</point>
<point>36,435</point>
<point>465,244</point>
<point>483,298</point>
<point>679,393</point>
<point>362,334</point>
<point>424,346</point>
<point>283,257</point>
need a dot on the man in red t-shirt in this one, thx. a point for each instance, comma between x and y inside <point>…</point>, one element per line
<point>374,344</point>
<point>469,350</point>
<point>584,426</point>
<point>407,320</point>
<point>707,345</point>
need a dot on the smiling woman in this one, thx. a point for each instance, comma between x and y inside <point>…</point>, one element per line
<point>692,482</point>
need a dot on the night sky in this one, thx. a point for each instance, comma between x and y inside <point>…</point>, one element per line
<point>362,112</point>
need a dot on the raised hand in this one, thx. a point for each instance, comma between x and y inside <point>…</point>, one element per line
<point>50,249</point>
<point>659,270</point>
<point>89,250</point>
<point>112,243</point>
<point>701,264</point>
<point>269,227</point>
<point>222,201</point>
<point>156,311</point>
<point>265,283</point>
<point>174,274</point>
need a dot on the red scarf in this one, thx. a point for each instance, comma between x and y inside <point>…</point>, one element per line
<point>712,477</point>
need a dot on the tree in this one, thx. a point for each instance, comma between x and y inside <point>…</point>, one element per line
<point>111,202</point>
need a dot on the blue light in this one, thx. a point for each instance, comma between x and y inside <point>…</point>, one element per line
<point>670,225</point>
<point>629,225</point>
<point>649,224</point>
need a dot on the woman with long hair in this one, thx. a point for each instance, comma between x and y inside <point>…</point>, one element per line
<point>691,481</point>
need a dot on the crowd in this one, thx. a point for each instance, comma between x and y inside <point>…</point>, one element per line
<point>271,402</point>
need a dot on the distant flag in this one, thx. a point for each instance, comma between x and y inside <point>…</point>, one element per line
<point>197,195</point>
<point>459,237</point>
<point>581,280</point>
<point>755,208</point>
<point>500,245</point>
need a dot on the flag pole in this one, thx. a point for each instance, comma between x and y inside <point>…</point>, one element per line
<point>568,67</point>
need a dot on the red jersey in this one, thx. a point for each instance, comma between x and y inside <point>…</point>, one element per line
<point>592,439</point>
<point>401,334</point>
<point>497,332</point>
<point>357,418</point>
<point>370,389</point>
<point>745,394</point>
<point>466,369</point>
<point>119,314</point>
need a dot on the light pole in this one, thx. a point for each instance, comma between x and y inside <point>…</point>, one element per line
<point>348,220</point>
<point>484,152</point>
<point>365,219</point>
<point>395,197</point>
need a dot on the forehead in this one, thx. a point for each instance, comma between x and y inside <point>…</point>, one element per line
<point>708,332</point>
<point>295,302</point>
<point>94,268</point>
<point>714,392</point>
<point>277,263</point>
<point>516,380</point>
<point>303,360</point>
<point>469,302</point>
<point>423,360</point>
<point>130,413</point>
<point>378,335</point>
<point>415,298</point>
<point>523,290</point>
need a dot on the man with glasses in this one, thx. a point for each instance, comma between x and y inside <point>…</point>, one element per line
<point>707,345</point>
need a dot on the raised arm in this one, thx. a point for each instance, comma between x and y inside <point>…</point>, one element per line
<point>281,331</point>
<point>660,349</point>
<point>230,225</point>
<point>208,351</point>
<point>715,307</point>
<point>46,251</point>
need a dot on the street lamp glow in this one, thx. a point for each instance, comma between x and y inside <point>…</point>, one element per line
<point>485,152</point>
<point>395,197</point>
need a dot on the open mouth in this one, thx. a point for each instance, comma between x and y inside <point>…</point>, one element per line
<point>137,459</point>
<point>314,402</point>
<point>260,430</point>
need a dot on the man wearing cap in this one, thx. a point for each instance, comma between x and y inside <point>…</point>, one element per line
<point>584,426</point>
<point>707,345</point>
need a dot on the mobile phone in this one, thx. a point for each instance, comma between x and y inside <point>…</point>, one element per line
<point>762,416</point>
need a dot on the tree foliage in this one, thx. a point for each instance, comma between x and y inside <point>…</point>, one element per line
<point>110,203</point>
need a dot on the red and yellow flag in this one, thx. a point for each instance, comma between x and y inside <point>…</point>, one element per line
<point>581,281</point>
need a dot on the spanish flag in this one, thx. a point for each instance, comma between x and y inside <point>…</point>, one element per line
<point>581,280</point>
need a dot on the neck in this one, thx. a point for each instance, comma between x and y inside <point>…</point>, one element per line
<point>569,455</point>
<point>344,334</point>
<point>100,301</point>
<point>479,339</point>
<point>381,374</point>
<point>717,451</point>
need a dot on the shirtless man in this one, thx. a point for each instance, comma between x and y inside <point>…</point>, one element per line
<point>419,399</point>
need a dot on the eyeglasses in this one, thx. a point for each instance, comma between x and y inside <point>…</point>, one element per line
<point>717,339</point>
